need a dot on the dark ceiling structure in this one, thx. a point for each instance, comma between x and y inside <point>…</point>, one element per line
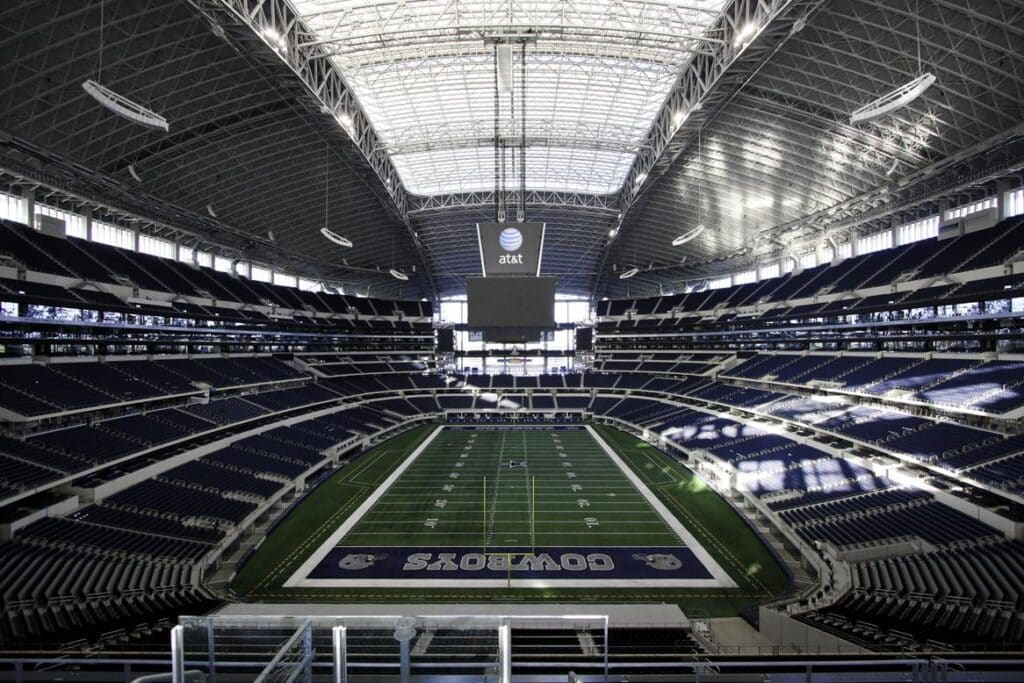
<point>643,119</point>
<point>245,138</point>
<point>780,166</point>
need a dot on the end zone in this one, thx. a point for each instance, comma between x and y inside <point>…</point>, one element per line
<point>571,567</point>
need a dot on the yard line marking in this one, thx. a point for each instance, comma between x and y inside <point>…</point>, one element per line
<point>497,485</point>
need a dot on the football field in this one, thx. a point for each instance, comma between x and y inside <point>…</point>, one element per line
<point>510,506</point>
<point>512,488</point>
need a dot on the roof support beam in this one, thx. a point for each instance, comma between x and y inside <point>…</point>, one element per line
<point>276,24</point>
<point>750,32</point>
<point>575,200</point>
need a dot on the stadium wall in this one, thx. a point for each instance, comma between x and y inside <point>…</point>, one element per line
<point>59,509</point>
<point>785,631</point>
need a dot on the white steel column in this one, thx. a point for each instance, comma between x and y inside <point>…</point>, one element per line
<point>505,653</point>
<point>178,654</point>
<point>339,640</point>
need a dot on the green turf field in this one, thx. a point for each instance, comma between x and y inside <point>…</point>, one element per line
<point>512,488</point>
<point>713,523</point>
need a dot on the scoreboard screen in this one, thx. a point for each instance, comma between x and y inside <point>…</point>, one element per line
<point>511,302</point>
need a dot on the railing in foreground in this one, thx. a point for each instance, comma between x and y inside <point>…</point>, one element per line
<point>492,648</point>
<point>478,646</point>
<point>754,670</point>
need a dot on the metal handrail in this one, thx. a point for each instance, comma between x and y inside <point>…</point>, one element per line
<point>192,675</point>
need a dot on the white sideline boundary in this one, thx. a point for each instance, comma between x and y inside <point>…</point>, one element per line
<point>300,578</point>
<point>722,578</point>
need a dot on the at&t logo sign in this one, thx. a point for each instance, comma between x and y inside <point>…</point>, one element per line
<point>510,240</point>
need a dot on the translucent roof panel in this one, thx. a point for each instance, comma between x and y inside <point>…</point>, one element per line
<point>596,76</point>
<point>550,168</point>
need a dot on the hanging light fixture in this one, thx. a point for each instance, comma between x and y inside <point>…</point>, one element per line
<point>395,272</point>
<point>277,42</point>
<point>695,232</point>
<point>124,107</point>
<point>325,231</point>
<point>336,238</point>
<point>633,270</point>
<point>688,236</point>
<point>893,100</point>
<point>119,104</point>
<point>744,35</point>
<point>903,95</point>
<point>346,121</point>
